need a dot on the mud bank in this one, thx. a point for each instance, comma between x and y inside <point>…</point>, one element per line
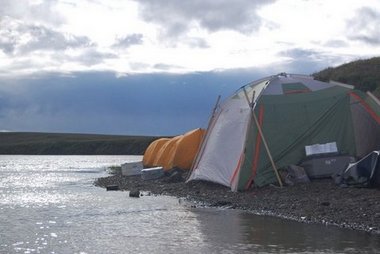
<point>320,201</point>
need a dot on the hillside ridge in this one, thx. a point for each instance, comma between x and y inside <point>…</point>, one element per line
<point>39,143</point>
<point>363,74</point>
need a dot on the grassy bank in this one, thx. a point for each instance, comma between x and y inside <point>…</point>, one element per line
<point>362,74</point>
<point>71,144</point>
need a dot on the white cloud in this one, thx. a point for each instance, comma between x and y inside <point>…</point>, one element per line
<point>181,36</point>
<point>365,26</point>
<point>177,17</point>
<point>44,12</point>
<point>129,40</point>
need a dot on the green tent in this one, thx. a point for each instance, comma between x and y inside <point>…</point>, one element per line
<point>293,111</point>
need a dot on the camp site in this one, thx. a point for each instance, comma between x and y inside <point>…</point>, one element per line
<point>197,126</point>
<point>285,163</point>
<point>286,145</point>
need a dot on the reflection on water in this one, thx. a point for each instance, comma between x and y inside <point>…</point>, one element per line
<point>48,204</point>
<point>252,233</point>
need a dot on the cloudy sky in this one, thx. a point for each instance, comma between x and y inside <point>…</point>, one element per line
<point>156,67</point>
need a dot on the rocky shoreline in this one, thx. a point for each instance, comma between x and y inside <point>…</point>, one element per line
<point>320,201</point>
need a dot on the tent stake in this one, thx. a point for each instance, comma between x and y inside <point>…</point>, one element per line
<point>267,148</point>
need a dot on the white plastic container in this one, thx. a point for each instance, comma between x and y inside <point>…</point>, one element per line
<point>131,168</point>
<point>152,173</point>
<point>321,149</point>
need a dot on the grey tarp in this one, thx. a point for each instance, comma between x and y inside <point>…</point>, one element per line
<point>364,173</point>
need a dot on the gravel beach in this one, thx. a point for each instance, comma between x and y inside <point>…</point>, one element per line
<point>320,201</point>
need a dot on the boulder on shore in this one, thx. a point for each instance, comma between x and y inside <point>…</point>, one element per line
<point>134,194</point>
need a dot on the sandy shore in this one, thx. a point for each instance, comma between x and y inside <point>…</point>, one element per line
<point>320,201</point>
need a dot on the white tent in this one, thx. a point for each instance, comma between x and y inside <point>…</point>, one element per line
<point>267,124</point>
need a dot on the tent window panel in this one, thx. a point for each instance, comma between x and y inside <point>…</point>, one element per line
<point>293,88</point>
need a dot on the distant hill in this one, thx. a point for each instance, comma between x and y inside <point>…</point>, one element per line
<point>72,144</point>
<point>363,74</point>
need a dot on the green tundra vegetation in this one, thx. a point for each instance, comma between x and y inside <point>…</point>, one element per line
<point>72,144</point>
<point>363,74</point>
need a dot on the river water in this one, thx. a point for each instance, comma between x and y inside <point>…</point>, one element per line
<point>48,204</point>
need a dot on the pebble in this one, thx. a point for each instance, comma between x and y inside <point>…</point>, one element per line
<point>334,204</point>
<point>134,194</point>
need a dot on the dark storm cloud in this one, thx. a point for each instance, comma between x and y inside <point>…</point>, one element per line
<point>305,61</point>
<point>146,104</point>
<point>129,40</point>
<point>175,16</point>
<point>365,26</point>
<point>149,104</point>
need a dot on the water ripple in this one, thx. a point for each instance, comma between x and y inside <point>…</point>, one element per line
<point>48,204</point>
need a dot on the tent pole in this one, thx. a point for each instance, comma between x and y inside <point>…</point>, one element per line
<point>201,148</point>
<point>252,105</point>
<point>267,148</point>
<point>243,154</point>
<point>246,97</point>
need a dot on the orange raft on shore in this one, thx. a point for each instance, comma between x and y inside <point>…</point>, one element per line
<point>176,152</point>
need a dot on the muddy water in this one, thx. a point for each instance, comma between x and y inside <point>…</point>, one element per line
<point>48,204</point>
